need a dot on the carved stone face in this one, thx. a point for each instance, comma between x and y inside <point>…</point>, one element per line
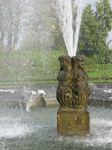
<point>78,62</point>
<point>80,65</point>
<point>65,61</point>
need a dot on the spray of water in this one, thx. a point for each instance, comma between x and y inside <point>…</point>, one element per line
<point>78,24</point>
<point>66,22</point>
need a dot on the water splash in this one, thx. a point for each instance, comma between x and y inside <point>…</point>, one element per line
<point>11,130</point>
<point>66,23</point>
<point>37,130</point>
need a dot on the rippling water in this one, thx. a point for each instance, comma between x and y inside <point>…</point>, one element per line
<point>36,130</point>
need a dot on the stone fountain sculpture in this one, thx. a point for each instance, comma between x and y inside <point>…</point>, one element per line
<point>72,95</point>
<point>36,100</point>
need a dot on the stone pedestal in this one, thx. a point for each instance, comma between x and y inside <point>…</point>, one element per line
<point>73,121</point>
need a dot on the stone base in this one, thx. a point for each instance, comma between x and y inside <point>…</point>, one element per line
<point>73,121</point>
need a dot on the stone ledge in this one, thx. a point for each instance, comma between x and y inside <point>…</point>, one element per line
<point>100,103</point>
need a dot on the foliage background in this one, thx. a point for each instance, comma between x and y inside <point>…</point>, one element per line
<point>31,41</point>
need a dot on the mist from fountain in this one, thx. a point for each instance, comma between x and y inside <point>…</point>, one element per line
<point>66,22</point>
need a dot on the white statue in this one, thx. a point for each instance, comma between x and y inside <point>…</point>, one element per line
<point>35,100</point>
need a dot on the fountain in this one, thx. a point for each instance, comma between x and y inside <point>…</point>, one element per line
<point>72,91</point>
<point>37,130</point>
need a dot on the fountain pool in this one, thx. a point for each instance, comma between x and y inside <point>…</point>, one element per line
<point>36,130</point>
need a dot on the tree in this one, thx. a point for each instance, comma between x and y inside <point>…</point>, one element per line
<point>103,16</point>
<point>12,17</point>
<point>2,23</point>
<point>44,31</point>
<point>95,30</point>
<point>87,40</point>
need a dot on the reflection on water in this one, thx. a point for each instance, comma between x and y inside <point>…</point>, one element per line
<point>21,130</point>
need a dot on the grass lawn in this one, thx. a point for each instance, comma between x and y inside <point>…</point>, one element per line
<point>41,67</point>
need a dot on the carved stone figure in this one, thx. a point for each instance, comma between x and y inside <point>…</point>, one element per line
<point>73,88</point>
<point>80,86</point>
<point>72,95</point>
<point>36,100</point>
<point>65,78</point>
